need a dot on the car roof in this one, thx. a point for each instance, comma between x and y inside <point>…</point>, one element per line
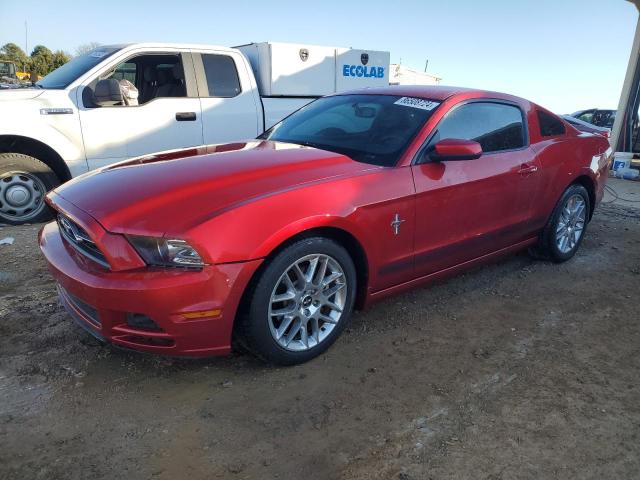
<point>592,110</point>
<point>155,45</point>
<point>577,121</point>
<point>431,92</point>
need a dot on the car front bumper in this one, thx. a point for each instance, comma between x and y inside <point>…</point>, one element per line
<point>194,309</point>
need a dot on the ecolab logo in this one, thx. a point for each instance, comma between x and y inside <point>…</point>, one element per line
<point>362,71</point>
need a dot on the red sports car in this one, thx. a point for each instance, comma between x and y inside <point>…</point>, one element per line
<point>357,196</point>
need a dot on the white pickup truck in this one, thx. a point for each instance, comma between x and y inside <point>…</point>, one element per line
<point>81,116</point>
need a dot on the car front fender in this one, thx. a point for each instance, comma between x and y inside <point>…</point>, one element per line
<point>256,229</point>
<point>26,121</point>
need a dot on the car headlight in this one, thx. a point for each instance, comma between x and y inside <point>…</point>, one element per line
<point>166,252</point>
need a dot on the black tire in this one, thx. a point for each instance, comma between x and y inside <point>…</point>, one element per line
<point>15,168</point>
<point>547,247</point>
<point>253,329</point>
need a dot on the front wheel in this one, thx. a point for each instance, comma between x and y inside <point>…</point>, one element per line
<point>24,181</point>
<point>300,303</point>
<point>565,229</point>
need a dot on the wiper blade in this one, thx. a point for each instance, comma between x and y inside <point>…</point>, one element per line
<point>302,143</point>
<point>310,144</point>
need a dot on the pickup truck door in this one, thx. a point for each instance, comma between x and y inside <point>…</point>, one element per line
<point>469,208</point>
<point>229,99</point>
<point>168,116</point>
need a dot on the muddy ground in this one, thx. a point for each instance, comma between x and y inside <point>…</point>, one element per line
<point>520,369</point>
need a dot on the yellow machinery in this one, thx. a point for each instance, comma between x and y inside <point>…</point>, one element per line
<point>8,69</point>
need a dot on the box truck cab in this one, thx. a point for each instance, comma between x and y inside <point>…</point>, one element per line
<point>123,101</point>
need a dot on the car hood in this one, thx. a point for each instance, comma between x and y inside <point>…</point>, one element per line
<point>174,191</point>
<point>13,94</point>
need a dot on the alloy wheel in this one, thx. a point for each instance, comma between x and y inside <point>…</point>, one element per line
<point>307,302</point>
<point>571,223</point>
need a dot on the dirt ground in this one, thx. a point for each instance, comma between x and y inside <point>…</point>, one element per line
<point>520,369</point>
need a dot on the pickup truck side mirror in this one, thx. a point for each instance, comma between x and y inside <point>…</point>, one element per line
<point>455,149</point>
<point>107,93</point>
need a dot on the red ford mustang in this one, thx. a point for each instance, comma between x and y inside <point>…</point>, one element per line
<point>356,196</point>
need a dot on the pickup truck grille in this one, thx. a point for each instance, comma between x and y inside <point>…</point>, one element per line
<point>80,240</point>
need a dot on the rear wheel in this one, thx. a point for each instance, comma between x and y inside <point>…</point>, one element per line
<point>24,181</point>
<point>565,229</point>
<point>300,303</point>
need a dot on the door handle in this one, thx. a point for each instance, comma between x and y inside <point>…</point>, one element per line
<point>186,116</point>
<point>527,169</point>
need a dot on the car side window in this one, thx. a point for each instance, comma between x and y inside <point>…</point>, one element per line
<point>495,126</point>
<point>222,76</point>
<point>126,71</point>
<point>550,126</point>
<point>163,77</point>
<point>152,75</point>
<point>610,120</point>
<point>586,116</point>
<point>604,118</point>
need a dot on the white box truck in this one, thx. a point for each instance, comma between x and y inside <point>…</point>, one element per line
<point>286,70</point>
<point>123,101</point>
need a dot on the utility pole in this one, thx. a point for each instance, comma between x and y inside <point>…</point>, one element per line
<point>426,64</point>
<point>26,44</point>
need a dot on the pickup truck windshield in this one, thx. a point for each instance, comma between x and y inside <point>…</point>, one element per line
<point>63,76</point>
<point>374,129</point>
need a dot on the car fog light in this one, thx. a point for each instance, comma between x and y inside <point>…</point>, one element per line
<point>142,322</point>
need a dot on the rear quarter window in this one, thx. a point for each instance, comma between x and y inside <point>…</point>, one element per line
<point>222,76</point>
<point>550,126</point>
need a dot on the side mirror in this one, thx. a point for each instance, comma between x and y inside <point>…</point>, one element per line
<point>455,149</point>
<point>107,93</point>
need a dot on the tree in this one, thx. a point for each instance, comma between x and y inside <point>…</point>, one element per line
<point>13,53</point>
<point>59,59</point>
<point>86,48</point>
<point>41,60</point>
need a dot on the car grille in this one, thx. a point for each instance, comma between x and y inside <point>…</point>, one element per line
<point>80,240</point>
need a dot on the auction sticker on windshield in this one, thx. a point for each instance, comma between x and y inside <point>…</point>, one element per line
<point>417,103</point>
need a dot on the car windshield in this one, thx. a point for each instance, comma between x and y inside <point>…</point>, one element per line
<point>67,73</point>
<point>374,129</point>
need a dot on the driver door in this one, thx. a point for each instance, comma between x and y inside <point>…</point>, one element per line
<point>469,208</point>
<point>167,117</point>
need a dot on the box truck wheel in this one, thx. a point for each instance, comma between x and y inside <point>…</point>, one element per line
<point>24,181</point>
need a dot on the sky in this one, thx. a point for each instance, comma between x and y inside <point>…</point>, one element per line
<point>563,54</point>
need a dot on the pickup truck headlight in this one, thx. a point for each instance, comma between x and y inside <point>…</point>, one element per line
<point>166,252</point>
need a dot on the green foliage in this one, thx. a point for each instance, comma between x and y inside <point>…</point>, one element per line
<point>41,60</point>
<point>59,59</point>
<point>13,53</point>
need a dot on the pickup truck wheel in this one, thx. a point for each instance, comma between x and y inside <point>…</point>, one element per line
<point>565,229</point>
<point>300,303</point>
<point>24,181</point>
